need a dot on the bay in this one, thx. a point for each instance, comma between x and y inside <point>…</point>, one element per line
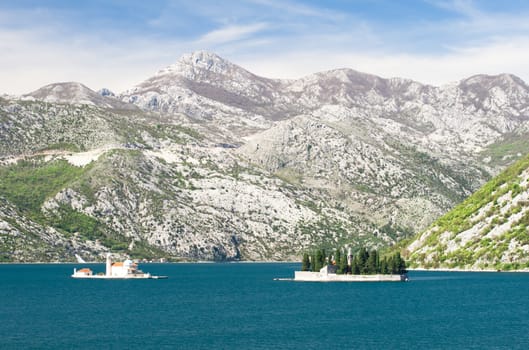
<point>241,306</point>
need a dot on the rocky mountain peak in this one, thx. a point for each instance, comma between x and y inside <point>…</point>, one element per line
<point>507,82</point>
<point>106,92</point>
<point>197,64</point>
<point>495,91</point>
<point>59,92</point>
<point>204,59</point>
<point>76,93</point>
<point>202,84</point>
<point>342,75</point>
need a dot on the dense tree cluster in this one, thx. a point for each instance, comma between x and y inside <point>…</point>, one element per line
<point>363,263</point>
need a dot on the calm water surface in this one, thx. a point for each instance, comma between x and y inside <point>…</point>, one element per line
<point>240,306</point>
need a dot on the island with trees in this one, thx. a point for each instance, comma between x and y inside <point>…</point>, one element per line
<point>364,266</point>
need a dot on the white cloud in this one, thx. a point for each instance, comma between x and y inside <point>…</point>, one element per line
<point>230,33</point>
<point>502,56</point>
<point>475,21</point>
<point>285,42</point>
<point>35,60</point>
<point>296,9</point>
<point>463,7</point>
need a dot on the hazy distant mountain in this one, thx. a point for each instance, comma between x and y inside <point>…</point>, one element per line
<point>218,163</point>
<point>76,93</point>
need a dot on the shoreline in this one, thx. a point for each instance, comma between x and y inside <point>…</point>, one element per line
<point>441,269</point>
<point>419,269</point>
<point>310,276</point>
<point>154,262</point>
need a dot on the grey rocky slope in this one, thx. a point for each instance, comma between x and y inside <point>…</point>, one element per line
<point>393,147</point>
<point>218,163</point>
<point>22,239</point>
<point>147,188</point>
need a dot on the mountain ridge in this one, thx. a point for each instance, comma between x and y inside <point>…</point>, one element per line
<point>77,93</point>
<point>211,157</point>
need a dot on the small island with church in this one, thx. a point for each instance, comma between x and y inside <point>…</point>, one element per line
<point>365,266</point>
<point>116,270</point>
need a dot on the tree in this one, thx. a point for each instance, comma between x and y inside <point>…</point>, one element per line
<point>305,262</point>
<point>337,259</point>
<point>342,264</point>
<point>384,266</point>
<point>392,268</point>
<point>401,264</point>
<point>371,263</point>
<point>355,266</point>
<point>396,264</point>
<point>362,260</point>
<point>318,261</point>
<point>313,262</point>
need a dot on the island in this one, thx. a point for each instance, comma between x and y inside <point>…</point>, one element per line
<point>364,266</point>
<point>118,270</point>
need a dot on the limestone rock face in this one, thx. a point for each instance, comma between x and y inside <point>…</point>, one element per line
<point>205,160</point>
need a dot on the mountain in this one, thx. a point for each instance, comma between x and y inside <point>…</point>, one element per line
<point>214,162</point>
<point>489,230</point>
<point>97,180</point>
<point>207,81</point>
<point>434,146</point>
<point>76,93</point>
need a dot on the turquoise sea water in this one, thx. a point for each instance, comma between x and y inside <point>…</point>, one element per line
<point>240,306</point>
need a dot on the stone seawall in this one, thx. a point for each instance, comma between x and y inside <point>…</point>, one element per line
<point>307,276</point>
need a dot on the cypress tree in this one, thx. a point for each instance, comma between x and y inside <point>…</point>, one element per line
<point>318,261</point>
<point>363,257</point>
<point>338,260</point>
<point>342,265</point>
<point>377,262</point>
<point>371,263</point>
<point>393,265</point>
<point>384,266</point>
<point>355,266</point>
<point>401,264</point>
<point>305,262</point>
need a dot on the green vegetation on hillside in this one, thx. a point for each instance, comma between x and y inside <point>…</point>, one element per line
<point>64,146</point>
<point>28,184</point>
<point>328,232</point>
<point>503,250</point>
<point>503,152</point>
<point>177,133</point>
<point>458,219</point>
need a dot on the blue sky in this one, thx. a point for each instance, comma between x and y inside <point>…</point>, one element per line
<point>118,43</point>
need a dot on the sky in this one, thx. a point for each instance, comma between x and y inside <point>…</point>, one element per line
<point>119,43</point>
